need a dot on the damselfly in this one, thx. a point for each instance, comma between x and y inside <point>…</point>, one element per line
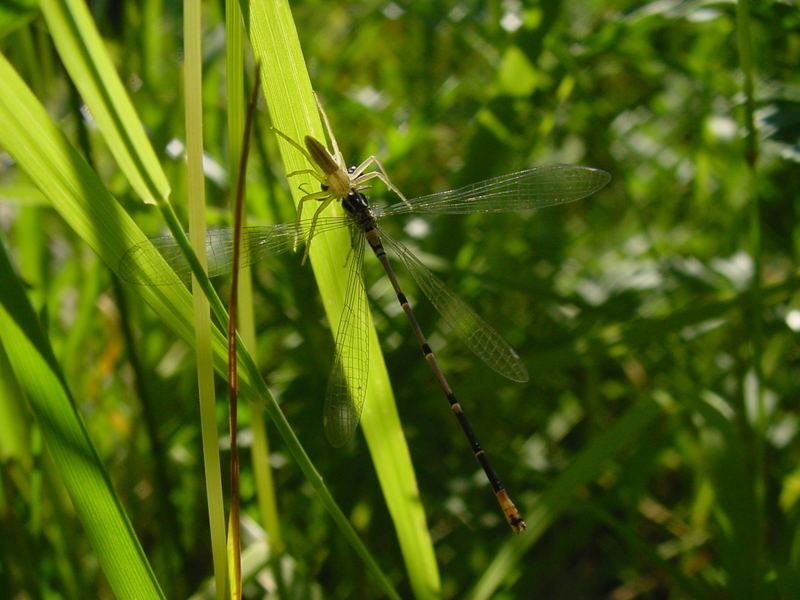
<point>347,385</point>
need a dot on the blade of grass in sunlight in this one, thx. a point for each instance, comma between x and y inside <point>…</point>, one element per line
<point>193,103</point>
<point>287,89</point>
<point>14,428</point>
<point>93,497</point>
<point>82,51</point>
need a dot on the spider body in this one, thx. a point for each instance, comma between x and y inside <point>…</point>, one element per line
<point>336,180</point>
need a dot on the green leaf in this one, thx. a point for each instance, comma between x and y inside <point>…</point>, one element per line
<point>287,89</point>
<point>82,51</point>
<point>82,473</point>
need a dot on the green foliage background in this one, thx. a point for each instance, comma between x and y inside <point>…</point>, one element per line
<point>655,449</point>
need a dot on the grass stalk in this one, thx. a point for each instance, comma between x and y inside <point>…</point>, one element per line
<point>94,500</point>
<point>288,92</point>
<point>193,75</point>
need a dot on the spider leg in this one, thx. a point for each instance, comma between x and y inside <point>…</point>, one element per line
<point>294,144</point>
<point>358,176</point>
<point>326,198</point>
<point>311,172</point>
<point>321,195</point>
<point>311,229</point>
<point>337,155</point>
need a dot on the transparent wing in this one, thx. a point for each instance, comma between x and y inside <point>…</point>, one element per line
<point>478,336</point>
<point>535,188</point>
<point>347,385</point>
<point>142,265</point>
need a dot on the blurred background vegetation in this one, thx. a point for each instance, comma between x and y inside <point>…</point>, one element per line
<point>655,448</point>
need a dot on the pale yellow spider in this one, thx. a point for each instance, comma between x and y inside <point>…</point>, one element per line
<point>335,178</point>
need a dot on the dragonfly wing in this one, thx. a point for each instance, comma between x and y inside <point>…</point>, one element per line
<point>158,260</point>
<point>347,385</point>
<point>538,187</point>
<point>480,337</point>
<point>155,261</point>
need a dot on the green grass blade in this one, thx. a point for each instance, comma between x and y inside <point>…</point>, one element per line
<point>79,466</point>
<point>82,51</point>
<point>74,190</point>
<point>737,500</point>
<point>287,89</point>
<point>14,429</point>
<point>193,108</point>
